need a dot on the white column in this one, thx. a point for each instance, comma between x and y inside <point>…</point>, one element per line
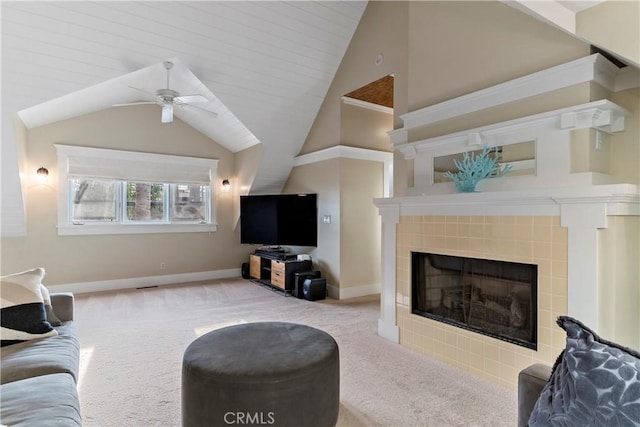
<point>582,221</point>
<point>387,327</point>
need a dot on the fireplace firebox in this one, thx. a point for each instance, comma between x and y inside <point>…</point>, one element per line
<point>495,298</point>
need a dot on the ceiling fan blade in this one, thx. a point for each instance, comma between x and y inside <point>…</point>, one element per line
<point>188,99</point>
<point>143,91</point>
<point>212,113</point>
<point>134,103</point>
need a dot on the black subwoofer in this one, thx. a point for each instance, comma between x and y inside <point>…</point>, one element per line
<point>314,289</point>
<point>298,281</point>
<point>245,270</point>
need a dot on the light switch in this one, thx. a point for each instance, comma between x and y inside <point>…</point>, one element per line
<point>326,219</point>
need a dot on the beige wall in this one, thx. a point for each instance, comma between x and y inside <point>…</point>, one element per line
<point>246,166</point>
<point>624,147</point>
<point>365,128</point>
<point>322,178</point>
<point>77,259</point>
<point>459,47</point>
<point>612,25</point>
<point>348,252</point>
<point>360,224</point>
<point>347,187</point>
<point>382,29</point>
<point>619,281</point>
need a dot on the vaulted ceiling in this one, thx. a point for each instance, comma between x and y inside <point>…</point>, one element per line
<point>265,67</point>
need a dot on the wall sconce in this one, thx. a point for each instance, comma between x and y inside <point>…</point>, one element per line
<point>226,185</point>
<point>43,174</point>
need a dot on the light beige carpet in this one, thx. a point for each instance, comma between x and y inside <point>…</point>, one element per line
<point>133,341</point>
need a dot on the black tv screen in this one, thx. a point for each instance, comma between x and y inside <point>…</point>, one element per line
<point>279,219</point>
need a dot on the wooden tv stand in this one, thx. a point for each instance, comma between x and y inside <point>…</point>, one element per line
<point>275,272</point>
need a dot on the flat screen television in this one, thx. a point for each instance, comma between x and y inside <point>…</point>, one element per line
<point>279,219</point>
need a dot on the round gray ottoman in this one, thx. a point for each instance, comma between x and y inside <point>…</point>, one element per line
<point>267,373</point>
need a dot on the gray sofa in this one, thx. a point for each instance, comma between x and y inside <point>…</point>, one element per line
<point>38,377</point>
<point>593,382</point>
<point>531,381</point>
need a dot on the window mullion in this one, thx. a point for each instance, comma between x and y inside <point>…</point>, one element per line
<point>122,202</point>
<point>167,198</point>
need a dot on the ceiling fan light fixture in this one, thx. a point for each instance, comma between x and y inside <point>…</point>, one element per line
<point>167,113</point>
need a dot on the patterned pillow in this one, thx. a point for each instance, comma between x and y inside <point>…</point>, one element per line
<point>594,382</point>
<point>22,313</point>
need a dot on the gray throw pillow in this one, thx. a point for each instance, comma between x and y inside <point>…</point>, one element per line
<point>594,382</point>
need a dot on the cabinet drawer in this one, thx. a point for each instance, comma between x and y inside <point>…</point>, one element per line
<point>277,278</point>
<point>278,266</point>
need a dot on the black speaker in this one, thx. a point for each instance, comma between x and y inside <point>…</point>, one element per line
<point>314,289</point>
<point>245,270</point>
<point>299,278</point>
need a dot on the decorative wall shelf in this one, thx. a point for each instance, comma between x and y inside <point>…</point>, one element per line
<point>550,131</point>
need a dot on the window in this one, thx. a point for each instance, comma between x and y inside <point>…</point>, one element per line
<point>116,192</point>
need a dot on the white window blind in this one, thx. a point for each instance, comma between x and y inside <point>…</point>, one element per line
<point>135,166</point>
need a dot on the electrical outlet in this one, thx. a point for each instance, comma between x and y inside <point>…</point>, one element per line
<point>163,266</point>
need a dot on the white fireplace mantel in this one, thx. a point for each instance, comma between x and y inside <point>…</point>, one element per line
<point>582,210</point>
<point>583,199</point>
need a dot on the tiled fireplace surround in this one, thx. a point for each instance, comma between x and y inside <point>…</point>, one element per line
<point>552,218</point>
<point>538,240</point>
<point>557,229</point>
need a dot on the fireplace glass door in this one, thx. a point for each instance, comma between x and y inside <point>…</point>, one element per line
<point>491,297</point>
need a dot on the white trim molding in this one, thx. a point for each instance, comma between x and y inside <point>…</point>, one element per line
<point>390,213</point>
<point>346,152</point>
<point>352,291</point>
<point>591,68</point>
<point>549,131</point>
<point>602,115</point>
<point>144,282</point>
<point>367,105</point>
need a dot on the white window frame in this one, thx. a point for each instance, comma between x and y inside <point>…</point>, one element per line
<point>65,153</point>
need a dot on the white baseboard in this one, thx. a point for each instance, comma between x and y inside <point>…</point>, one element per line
<point>388,330</point>
<point>352,291</point>
<point>141,282</point>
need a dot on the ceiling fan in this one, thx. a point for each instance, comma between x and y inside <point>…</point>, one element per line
<point>168,98</point>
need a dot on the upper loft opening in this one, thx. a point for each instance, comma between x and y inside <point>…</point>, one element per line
<point>379,92</point>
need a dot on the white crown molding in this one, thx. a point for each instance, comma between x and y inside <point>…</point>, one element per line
<point>627,78</point>
<point>591,68</point>
<point>343,151</point>
<point>367,105</point>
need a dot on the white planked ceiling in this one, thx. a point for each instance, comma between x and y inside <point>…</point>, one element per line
<point>265,66</point>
